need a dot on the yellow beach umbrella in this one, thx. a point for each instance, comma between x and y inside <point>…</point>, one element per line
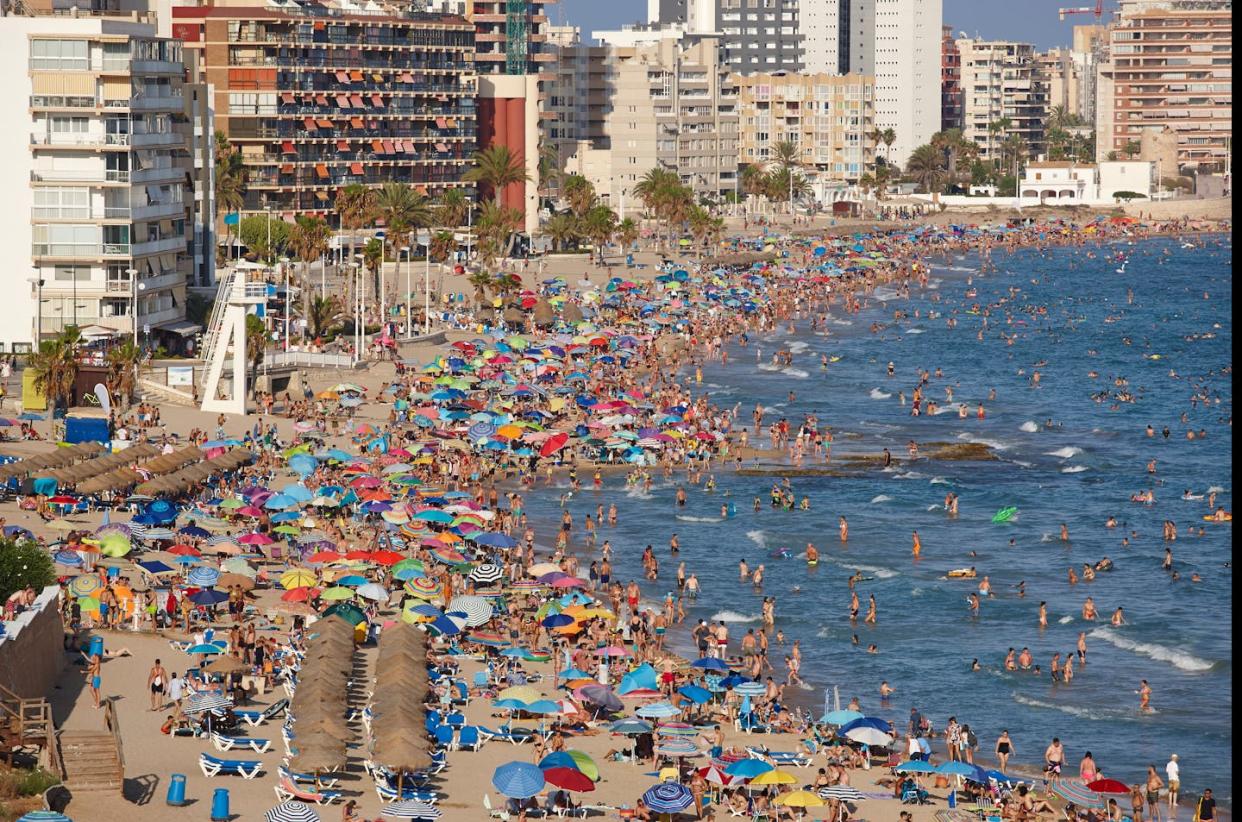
<point>522,693</point>
<point>774,777</point>
<point>798,799</point>
<point>297,578</point>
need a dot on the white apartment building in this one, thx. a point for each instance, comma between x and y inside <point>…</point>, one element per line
<point>1001,82</point>
<point>98,194</point>
<point>899,43</point>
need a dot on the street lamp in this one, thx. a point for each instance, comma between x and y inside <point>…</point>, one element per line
<point>37,282</point>
<point>409,263</point>
<point>133,296</point>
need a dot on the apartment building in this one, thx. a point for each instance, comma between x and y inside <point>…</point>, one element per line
<point>1060,75</point>
<point>316,98</point>
<point>826,36</point>
<point>828,118</point>
<point>1170,64</point>
<point>510,36</point>
<point>950,81</point>
<point>577,95</point>
<point>673,105</point>
<point>96,179</point>
<point>1000,82</point>
<point>761,35</point>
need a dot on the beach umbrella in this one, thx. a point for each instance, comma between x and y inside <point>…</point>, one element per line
<point>199,703</point>
<point>477,609</point>
<point>336,594</point>
<point>297,578</point>
<point>226,665</point>
<point>869,736</point>
<point>410,809</point>
<point>570,779</point>
<point>677,747</point>
<point>839,717</point>
<point>747,768</point>
<point>668,797</point>
<point>373,591</point>
<point>523,693</point>
<point>956,768</point>
<point>84,585</point>
<point>842,793</point>
<point>658,710</point>
<point>43,816</point>
<point>695,694</point>
<point>67,557</point>
<point>799,799</point>
<point>204,648</point>
<point>203,577</point>
<point>774,777</point>
<point>1108,786</point>
<point>520,780</point>
<point>916,766</point>
<point>1076,791</point>
<point>710,663</point>
<point>866,722</point>
<point>292,812</point>
<point>487,574</point>
<point>422,587</point>
<point>208,596</point>
<point>750,688</point>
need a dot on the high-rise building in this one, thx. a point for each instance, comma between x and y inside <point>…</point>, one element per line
<point>576,96</point>
<point>1059,73</point>
<point>899,43</point>
<point>96,177</point>
<point>673,105</point>
<point>761,35</point>
<point>312,109</point>
<point>1090,44</point>
<point>828,118</point>
<point>509,36</point>
<point>1000,85</point>
<point>950,81</point>
<point>1170,64</point>
<point>826,36</point>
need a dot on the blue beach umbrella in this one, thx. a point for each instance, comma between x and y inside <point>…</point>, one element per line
<point>208,596</point>
<point>916,766</point>
<point>710,664</point>
<point>519,780</point>
<point>695,694</point>
<point>668,797</point>
<point>203,577</point>
<point>747,768</point>
<point>954,768</point>
<point>839,717</point>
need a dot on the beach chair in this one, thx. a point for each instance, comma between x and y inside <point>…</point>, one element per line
<point>388,793</point>
<point>779,758</point>
<point>322,780</point>
<point>444,735</point>
<point>455,719</point>
<point>256,718</point>
<point>515,736</point>
<point>913,795</point>
<point>287,789</point>
<point>461,693</point>
<point>494,813</point>
<point>178,645</point>
<point>228,743</point>
<point>215,766</point>
<point>468,738</point>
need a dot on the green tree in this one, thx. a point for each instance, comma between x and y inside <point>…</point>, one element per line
<point>627,233</point>
<point>704,227</point>
<point>1131,148</point>
<point>926,167</point>
<point>402,208</point>
<point>495,168</point>
<point>308,240</point>
<point>598,225</point>
<point>323,314</point>
<point>443,244</point>
<point>198,308</point>
<point>888,137</point>
<point>254,235</point>
<point>355,209</point>
<point>996,128</point>
<point>21,564</point>
<point>123,361</point>
<point>561,228</point>
<point>496,225</point>
<point>452,207</point>
<point>579,192</point>
<point>229,179</point>
<point>754,181</point>
<point>55,367</point>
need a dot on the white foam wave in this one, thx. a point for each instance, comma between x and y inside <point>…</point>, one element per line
<point>875,571</point>
<point>1215,489</point>
<point>885,294</point>
<point>878,498</point>
<point>1023,464</point>
<point>768,366</point>
<point>842,322</point>
<point>877,394</point>
<point>734,616</point>
<point>910,475</point>
<point>797,373</point>
<point>1065,620</point>
<point>1178,659</point>
<point>915,331</point>
<point>637,492</point>
<point>798,347</point>
<point>996,445</point>
<point>757,537</point>
<point>1064,453</point>
<point>932,507</point>
<point>1030,427</point>
<point>686,518</point>
<point>940,481</point>
<point>1046,537</point>
<point>1073,469</point>
<point>1095,714</point>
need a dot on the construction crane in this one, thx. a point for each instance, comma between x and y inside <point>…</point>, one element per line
<point>1098,11</point>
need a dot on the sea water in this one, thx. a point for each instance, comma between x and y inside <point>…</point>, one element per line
<point>1078,472</point>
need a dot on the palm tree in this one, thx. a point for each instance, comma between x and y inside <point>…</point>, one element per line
<point>888,137</point>
<point>496,224</point>
<point>308,240</point>
<point>704,227</point>
<point>561,228</point>
<point>123,361</point>
<point>754,182</point>
<point>55,367</point>
<point>785,160</point>
<point>402,208</point>
<point>926,167</point>
<point>953,145</point>
<point>1131,148</point>
<point>256,346</point>
<point>355,208</point>
<point>1058,118</point>
<point>454,205</point>
<point>323,313</point>
<point>867,183</point>
<point>482,281</point>
<point>664,196</point>
<point>443,243</point>
<point>579,192</point>
<point>1013,148</point>
<point>230,174</point>
<point>627,233</point>
<point>549,166</point>
<point>996,127</point>
<point>495,168</point>
<point>598,225</point>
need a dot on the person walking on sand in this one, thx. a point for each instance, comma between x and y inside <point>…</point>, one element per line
<point>156,682</point>
<point>1004,750</point>
<point>1152,793</point>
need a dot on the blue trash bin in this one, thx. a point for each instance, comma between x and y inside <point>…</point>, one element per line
<point>176,790</point>
<point>952,798</point>
<point>96,648</point>
<point>220,805</point>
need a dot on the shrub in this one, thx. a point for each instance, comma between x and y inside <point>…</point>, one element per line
<point>22,564</point>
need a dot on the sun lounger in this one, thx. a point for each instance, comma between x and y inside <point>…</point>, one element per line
<point>322,780</point>
<point>228,743</point>
<point>255,718</point>
<point>288,789</point>
<point>778,758</point>
<point>468,738</point>
<point>215,766</point>
<point>514,735</point>
<point>387,793</point>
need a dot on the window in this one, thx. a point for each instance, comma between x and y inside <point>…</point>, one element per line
<point>70,125</point>
<point>62,203</point>
<point>70,273</point>
<point>60,55</point>
<point>66,240</point>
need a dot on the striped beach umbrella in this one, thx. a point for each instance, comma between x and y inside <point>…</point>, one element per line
<point>749,689</point>
<point>43,816</point>
<point>477,609</point>
<point>410,809</point>
<point>658,710</point>
<point>422,587</point>
<point>199,703</point>
<point>292,812</point>
<point>519,780</point>
<point>677,747</point>
<point>487,574</point>
<point>203,577</point>
<point>67,557</point>
<point>84,585</point>
<point>668,797</point>
<point>1076,791</point>
<point>843,793</point>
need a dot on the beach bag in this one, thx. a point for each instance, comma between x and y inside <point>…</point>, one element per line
<point>972,741</point>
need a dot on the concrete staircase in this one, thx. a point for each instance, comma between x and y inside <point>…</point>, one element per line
<point>92,762</point>
<point>154,392</point>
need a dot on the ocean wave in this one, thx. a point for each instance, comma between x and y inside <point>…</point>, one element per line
<point>1094,714</point>
<point>884,294</point>
<point>940,481</point>
<point>1030,427</point>
<point>686,518</point>
<point>769,366</point>
<point>995,445</point>
<point>1073,469</point>
<point>932,507</point>
<point>734,616</point>
<point>1215,489</point>
<point>915,331</point>
<point>757,537</point>
<point>872,570</point>
<point>877,394</point>
<point>1065,620</point>
<point>1021,463</point>
<point>909,475</point>
<point>1046,537</point>
<point>1178,659</point>
<point>798,347</point>
<point>637,492</point>
<point>1064,453</point>
<point>797,373</point>
<point>842,322</point>
<point>881,498</point>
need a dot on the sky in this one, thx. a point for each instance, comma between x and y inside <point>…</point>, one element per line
<point>1031,21</point>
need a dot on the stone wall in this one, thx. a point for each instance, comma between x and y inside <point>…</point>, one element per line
<point>32,648</point>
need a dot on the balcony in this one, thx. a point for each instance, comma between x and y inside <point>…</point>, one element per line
<point>92,142</point>
<point>79,251</point>
<point>156,139</point>
<point>159,282</point>
<point>100,176</point>
<point>156,211</point>
<point>159,246</point>
<point>160,174</point>
<point>170,103</point>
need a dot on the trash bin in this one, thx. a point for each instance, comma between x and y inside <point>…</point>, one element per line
<point>220,805</point>
<point>952,798</point>
<point>96,648</point>
<point>176,790</point>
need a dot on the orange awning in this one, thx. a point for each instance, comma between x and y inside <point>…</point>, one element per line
<point>355,100</point>
<point>321,195</point>
<point>321,171</point>
<point>376,100</point>
<point>355,168</point>
<point>377,146</point>
<point>342,145</point>
<point>441,122</point>
<point>324,123</point>
<point>342,77</point>
<point>388,147</point>
<point>321,100</point>
<point>355,122</point>
<point>287,98</point>
<point>287,168</point>
<point>406,78</point>
<point>356,76</point>
<point>342,101</point>
<point>309,124</point>
<point>287,148</point>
